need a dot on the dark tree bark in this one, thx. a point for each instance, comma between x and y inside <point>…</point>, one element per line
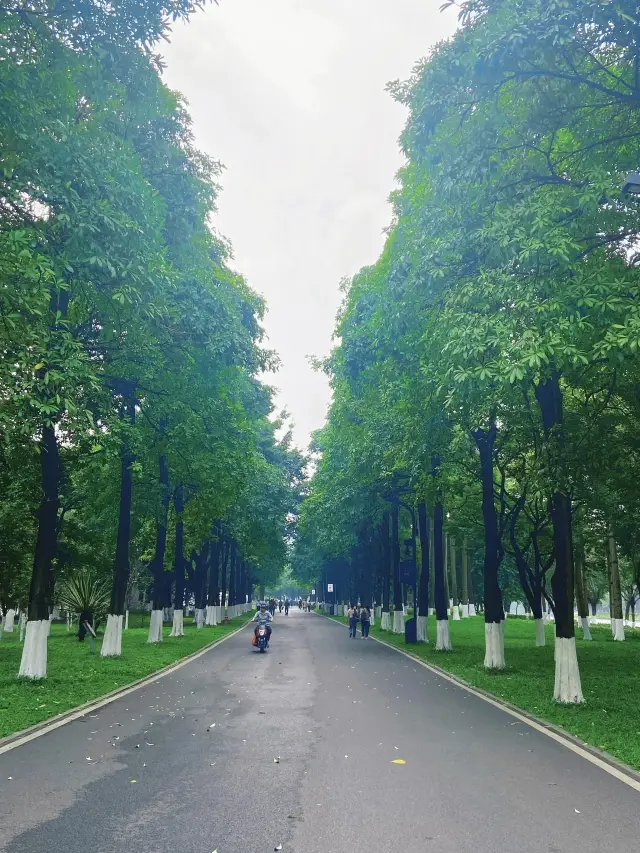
<point>224,548</point>
<point>440,590</point>
<point>121,566</point>
<point>213,592</point>
<point>41,588</point>
<point>233,569</point>
<point>367,551</point>
<point>179,561</point>
<point>465,574</point>
<point>423,528</point>
<point>453,568</point>
<point>549,397</point>
<point>395,554</point>
<point>198,578</point>
<point>386,562</point>
<point>157,563</point>
<point>493,608</point>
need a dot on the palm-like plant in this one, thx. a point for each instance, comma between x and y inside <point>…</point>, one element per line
<point>84,592</point>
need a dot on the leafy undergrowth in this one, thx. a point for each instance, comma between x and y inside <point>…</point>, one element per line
<point>75,676</point>
<point>610,717</point>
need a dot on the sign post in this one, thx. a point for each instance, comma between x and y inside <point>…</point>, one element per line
<point>333,606</point>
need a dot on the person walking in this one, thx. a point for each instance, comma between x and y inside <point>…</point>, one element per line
<point>365,621</point>
<point>352,614</point>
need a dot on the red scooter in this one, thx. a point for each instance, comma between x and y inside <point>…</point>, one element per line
<point>261,638</point>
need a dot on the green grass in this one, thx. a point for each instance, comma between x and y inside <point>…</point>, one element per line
<point>610,717</point>
<point>75,676</point>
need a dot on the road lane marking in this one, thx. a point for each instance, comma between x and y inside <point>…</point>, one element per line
<point>119,694</point>
<point>611,769</point>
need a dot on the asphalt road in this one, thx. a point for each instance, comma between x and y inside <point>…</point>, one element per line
<point>187,764</point>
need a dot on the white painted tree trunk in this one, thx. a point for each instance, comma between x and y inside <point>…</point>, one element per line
<point>155,627</point>
<point>218,616</point>
<point>586,630</point>
<point>421,626</point>
<point>49,626</point>
<point>472,609</point>
<point>568,689</point>
<point>112,641</point>
<point>617,629</point>
<point>177,629</point>
<point>379,612</point>
<point>431,611</point>
<point>373,616</point>
<point>126,620</point>
<point>494,645</point>
<point>540,635</point>
<point>385,621</point>
<point>68,622</point>
<point>398,622</point>
<point>9,621</point>
<point>443,638</point>
<point>199,618</point>
<point>464,611</point>
<point>34,652</point>
<point>455,613</point>
<point>22,623</point>
<point>210,615</point>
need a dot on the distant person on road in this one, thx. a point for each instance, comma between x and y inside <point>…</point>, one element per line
<point>365,621</point>
<point>286,606</point>
<point>353,621</point>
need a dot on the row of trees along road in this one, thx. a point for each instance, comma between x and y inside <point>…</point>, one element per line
<point>132,423</point>
<point>488,362</point>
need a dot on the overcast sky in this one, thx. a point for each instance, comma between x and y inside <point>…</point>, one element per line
<point>289,95</point>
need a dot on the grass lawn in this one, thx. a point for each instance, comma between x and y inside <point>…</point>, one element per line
<point>610,717</point>
<point>75,676</point>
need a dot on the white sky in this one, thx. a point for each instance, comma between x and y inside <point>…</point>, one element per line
<point>289,95</point>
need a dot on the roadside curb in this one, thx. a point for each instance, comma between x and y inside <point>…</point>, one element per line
<point>16,739</point>
<point>607,762</point>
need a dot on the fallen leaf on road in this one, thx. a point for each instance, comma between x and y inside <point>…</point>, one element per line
<point>279,847</point>
<point>576,811</point>
<point>398,761</point>
<point>133,781</point>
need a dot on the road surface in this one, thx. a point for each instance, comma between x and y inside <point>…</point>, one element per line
<point>187,764</point>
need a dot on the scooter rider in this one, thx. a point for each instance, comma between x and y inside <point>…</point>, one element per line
<point>263,617</point>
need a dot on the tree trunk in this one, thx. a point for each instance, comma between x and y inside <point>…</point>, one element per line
<point>385,619</point>
<point>112,641</point>
<point>581,588</point>
<point>423,591</point>
<point>465,579</point>
<point>493,609</point>
<point>443,641</point>
<point>178,566</point>
<point>567,683</point>
<point>34,653</point>
<point>157,563</point>
<point>617,623</point>
<point>398,617</point>
<point>224,549</point>
<point>453,556</point>
<point>213,592</point>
